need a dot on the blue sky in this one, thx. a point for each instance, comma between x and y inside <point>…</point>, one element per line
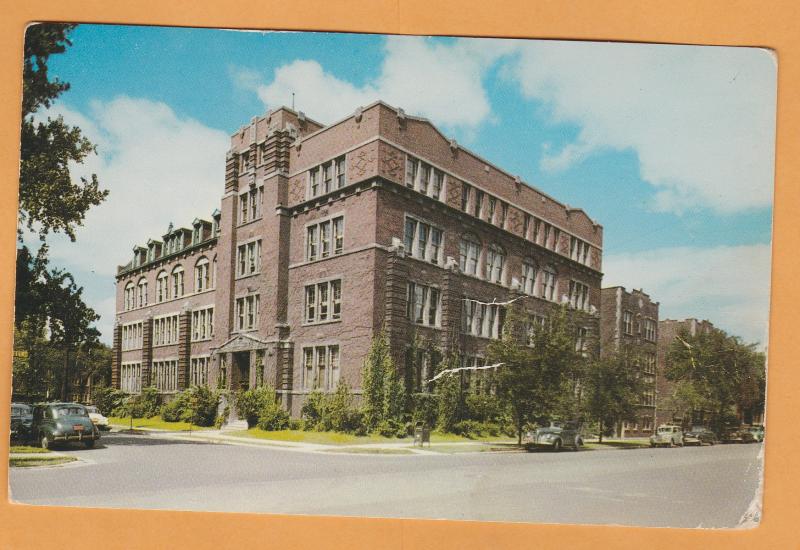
<point>670,148</point>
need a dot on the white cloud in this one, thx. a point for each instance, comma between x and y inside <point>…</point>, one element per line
<point>728,285</point>
<point>158,166</point>
<point>440,81</point>
<point>701,119</point>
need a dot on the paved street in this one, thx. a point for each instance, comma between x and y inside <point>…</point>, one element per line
<point>689,487</point>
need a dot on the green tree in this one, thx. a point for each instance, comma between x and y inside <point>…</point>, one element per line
<point>532,378</point>
<point>718,372</point>
<point>373,380</point>
<point>49,199</point>
<point>614,388</point>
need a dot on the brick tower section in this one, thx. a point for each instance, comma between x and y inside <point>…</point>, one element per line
<point>395,322</point>
<point>116,356</point>
<point>451,307</point>
<point>147,351</point>
<point>184,347</point>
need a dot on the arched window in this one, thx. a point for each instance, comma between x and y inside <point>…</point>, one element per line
<point>202,275</point>
<point>177,282</point>
<point>142,292</point>
<point>547,287</point>
<point>162,287</point>
<point>495,264</point>
<point>129,296</point>
<point>469,252</point>
<point>528,277</point>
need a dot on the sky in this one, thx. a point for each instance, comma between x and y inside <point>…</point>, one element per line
<point>670,148</point>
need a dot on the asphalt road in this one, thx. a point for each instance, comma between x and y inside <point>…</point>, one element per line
<point>688,487</point>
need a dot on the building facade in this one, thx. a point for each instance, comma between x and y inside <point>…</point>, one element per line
<point>629,322</point>
<point>326,235</point>
<point>668,329</point>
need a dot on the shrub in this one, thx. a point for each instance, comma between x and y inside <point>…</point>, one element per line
<point>392,428</point>
<point>339,414</point>
<point>203,403</point>
<point>107,399</point>
<point>142,405</point>
<point>425,408</point>
<point>250,403</point>
<point>483,408</point>
<point>313,410</point>
<point>177,410</point>
<point>222,418</point>
<point>297,424</point>
<point>449,400</point>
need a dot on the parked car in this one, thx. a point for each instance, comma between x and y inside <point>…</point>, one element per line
<point>97,418</point>
<point>557,436</point>
<point>21,421</point>
<point>758,433</point>
<point>54,422</point>
<point>699,435</point>
<point>736,435</point>
<point>667,435</point>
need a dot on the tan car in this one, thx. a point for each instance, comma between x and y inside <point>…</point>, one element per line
<point>667,435</point>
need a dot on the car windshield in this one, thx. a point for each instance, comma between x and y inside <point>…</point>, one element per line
<point>73,410</point>
<point>664,430</point>
<point>19,411</point>
<point>91,409</point>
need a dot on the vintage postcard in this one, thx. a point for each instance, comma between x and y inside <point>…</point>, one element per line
<point>393,276</point>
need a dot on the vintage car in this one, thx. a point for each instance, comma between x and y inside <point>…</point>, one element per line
<point>667,435</point>
<point>557,436</point>
<point>97,418</point>
<point>737,435</point>
<point>21,421</point>
<point>55,422</point>
<point>699,435</point>
<point>758,433</point>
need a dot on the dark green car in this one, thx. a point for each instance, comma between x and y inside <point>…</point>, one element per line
<point>55,422</point>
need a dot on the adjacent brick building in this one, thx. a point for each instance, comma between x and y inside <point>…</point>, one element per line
<point>667,330</point>
<point>629,320</point>
<point>326,234</point>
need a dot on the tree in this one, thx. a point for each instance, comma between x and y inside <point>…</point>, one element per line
<point>614,388</point>
<point>532,378</point>
<point>49,199</point>
<point>716,373</point>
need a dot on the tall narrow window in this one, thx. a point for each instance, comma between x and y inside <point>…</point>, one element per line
<point>323,301</point>
<point>465,192</point>
<point>202,276</point>
<point>478,203</point>
<point>469,249</point>
<point>495,264</point>
<point>142,292</point>
<point>340,172</point>
<point>422,240</point>
<point>528,277</point>
<point>162,287</point>
<point>338,235</point>
<point>548,285</point>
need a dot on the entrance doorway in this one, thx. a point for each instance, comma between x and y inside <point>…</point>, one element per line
<point>241,362</point>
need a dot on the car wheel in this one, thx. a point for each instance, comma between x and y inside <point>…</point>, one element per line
<point>557,445</point>
<point>44,441</point>
<point>89,443</point>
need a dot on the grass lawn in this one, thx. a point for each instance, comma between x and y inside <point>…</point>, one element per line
<point>336,438</point>
<point>31,461</point>
<point>155,423</point>
<point>27,449</point>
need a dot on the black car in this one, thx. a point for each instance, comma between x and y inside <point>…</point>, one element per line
<point>53,422</point>
<point>699,435</point>
<point>21,421</point>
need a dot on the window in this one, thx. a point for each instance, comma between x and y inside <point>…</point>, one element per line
<point>321,367</point>
<point>581,344</point>
<point>556,238</point>
<point>578,295</point>
<point>503,214</point>
<point>131,335</point>
<point>162,287</point>
<point>649,363</point>
<point>526,225</point>
<point>244,161</point>
<point>492,209</point>
<point>423,305</point>
<point>547,230</point>
<point>579,250</point>
<point>323,301</point>
<point>142,292</point>
<point>166,375</point>
<point>177,282</point>
<point>627,322</point>
<point>423,177</point>
<point>325,239</point>
<point>548,284</point>
<point>537,229</point>
<point>476,381</point>
<point>130,377</point>
<point>423,241</point>
<point>247,312</point>
<point>250,204</point>
<point>528,278</point>
<point>202,324</point>
<point>165,330</point>
<point>495,264</point>
<point>469,250</point>
<point>478,203</point>
<point>198,371</point>
<point>202,275</point>
<point>480,319</point>
<point>129,296</point>
<point>196,234</point>
<point>465,192</point>
<point>327,177</point>
<point>535,324</point>
<point>248,258</point>
<point>650,330</point>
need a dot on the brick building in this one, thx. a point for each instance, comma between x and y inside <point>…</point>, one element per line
<point>324,235</point>
<point>629,320</point>
<point>667,330</point>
